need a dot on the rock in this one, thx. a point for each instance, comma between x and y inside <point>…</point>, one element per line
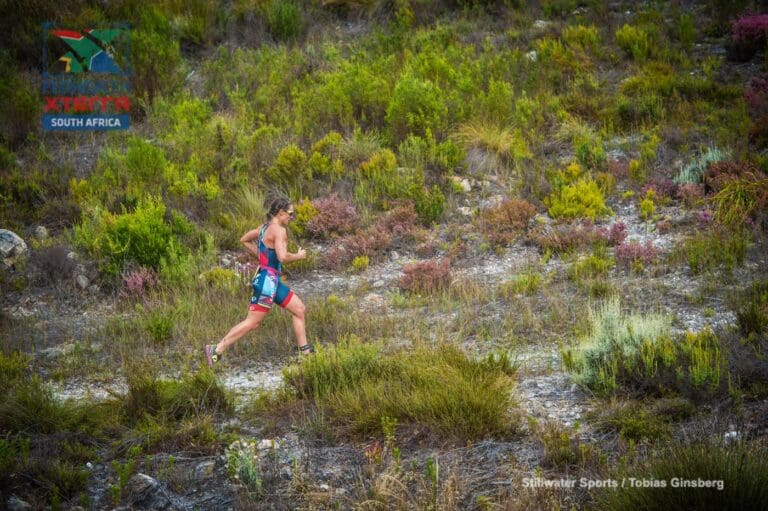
<point>41,232</point>
<point>94,289</point>
<point>71,256</point>
<point>267,443</point>
<point>82,281</point>
<point>225,261</point>
<point>464,210</point>
<point>145,493</point>
<point>16,504</point>
<point>286,473</point>
<point>378,283</point>
<point>324,487</point>
<point>394,255</point>
<point>540,24</point>
<point>204,470</point>
<point>532,55</point>
<point>12,247</point>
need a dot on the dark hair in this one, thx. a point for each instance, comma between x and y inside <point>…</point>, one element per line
<point>277,205</point>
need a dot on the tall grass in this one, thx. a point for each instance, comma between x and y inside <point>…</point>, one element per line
<point>440,389</point>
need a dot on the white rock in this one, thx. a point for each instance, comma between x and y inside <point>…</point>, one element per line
<point>325,487</point>
<point>12,247</point>
<point>394,255</point>
<point>378,283</point>
<point>41,232</point>
<point>82,281</point>
<point>540,24</point>
<point>464,210</point>
<point>532,56</point>
<point>266,443</point>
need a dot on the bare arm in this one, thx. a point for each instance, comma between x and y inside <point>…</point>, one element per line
<point>247,241</point>
<point>281,248</point>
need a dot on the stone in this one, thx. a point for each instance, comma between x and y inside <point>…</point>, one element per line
<point>204,470</point>
<point>94,289</point>
<point>540,24</point>
<point>12,247</point>
<point>16,504</point>
<point>378,283</point>
<point>324,487</point>
<point>71,256</point>
<point>145,493</point>
<point>267,443</point>
<point>465,211</point>
<point>82,281</point>
<point>41,232</point>
<point>532,56</point>
<point>394,255</point>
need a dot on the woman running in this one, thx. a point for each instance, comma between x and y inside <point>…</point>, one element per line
<point>270,244</point>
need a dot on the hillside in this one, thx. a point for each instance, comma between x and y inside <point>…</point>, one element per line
<point>535,272</point>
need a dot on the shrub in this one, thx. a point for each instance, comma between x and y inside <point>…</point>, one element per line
<point>360,263</point>
<point>137,284</point>
<point>692,172</point>
<point>706,250</point>
<point>691,194</point>
<point>742,201</point>
<point>718,173</point>
<point>756,97</point>
<point>503,222</point>
<point>142,237</point>
<point>332,216</point>
<point>284,19</point>
<point>633,422</point>
<point>569,237</point>
<point>587,38</point>
<point>19,112</point>
<point>426,276</point>
<point>220,278</point>
<point>647,206</point>
<point>634,41</point>
<point>664,190</point>
<point>636,255</point>
<point>438,389</point>
<point>751,306</point>
<point>748,35</point>
<point>738,471</point>
<point>399,222</point>
<point>290,167</point>
<point>595,265</point>
<point>155,55</point>
<point>53,264</point>
<point>305,212</point>
<point>636,354</point>
<point>416,107</point>
<point>371,244</point>
<point>582,199</point>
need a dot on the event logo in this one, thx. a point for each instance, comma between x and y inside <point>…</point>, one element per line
<point>86,78</point>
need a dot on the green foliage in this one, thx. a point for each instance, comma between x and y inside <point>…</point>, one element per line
<point>584,37</point>
<point>291,167</point>
<point>220,278</point>
<point>440,389</point>
<point>142,236</point>
<point>597,264</point>
<point>305,211</point>
<point>647,205</point>
<point>634,422</point>
<point>636,353</point>
<point>738,469</point>
<point>742,201</point>
<point>707,250</point>
<point>360,263</point>
<point>159,326</point>
<point>417,107</point>
<point>155,55</point>
<point>686,31</point>
<point>243,464</point>
<point>284,19</point>
<point>634,41</point>
<point>693,171</point>
<point>19,111</point>
<point>583,199</point>
<point>558,7</point>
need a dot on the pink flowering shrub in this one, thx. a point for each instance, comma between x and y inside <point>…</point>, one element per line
<point>503,222</point>
<point>747,36</point>
<point>567,237</point>
<point>634,254</point>
<point>138,283</point>
<point>334,216</point>
<point>426,276</point>
<point>665,189</point>
<point>691,194</point>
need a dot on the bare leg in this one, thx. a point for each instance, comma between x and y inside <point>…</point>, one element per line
<point>236,332</point>
<point>297,308</point>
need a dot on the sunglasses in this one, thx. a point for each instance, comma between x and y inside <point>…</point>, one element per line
<point>291,213</point>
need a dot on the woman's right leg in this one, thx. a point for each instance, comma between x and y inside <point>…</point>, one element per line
<point>251,322</point>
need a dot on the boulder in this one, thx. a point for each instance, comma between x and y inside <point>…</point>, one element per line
<point>12,247</point>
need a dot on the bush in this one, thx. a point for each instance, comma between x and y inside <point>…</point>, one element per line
<point>714,247</point>
<point>569,237</point>
<point>417,107</point>
<point>748,36</point>
<point>634,41</point>
<point>742,202</point>
<point>284,19</point>
<point>290,167</point>
<point>426,276</point>
<point>155,56</point>
<point>582,199</point>
<point>371,243</point>
<point>53,264</point>
<point>332,216</point>
<point>137,284</point>
<point>636,255</point>
<point>738,471</point>
<point>439,389</point>
<point>503,222</point>
<point>305,212</point>
<point>636,354</point>
<point>142,237</point>
<point>20,109</point>
<point>692,172</point>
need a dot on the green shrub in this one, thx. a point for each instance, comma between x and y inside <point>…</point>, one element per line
<point>305,211</point>
<point>417,107</point>
<point>360,263</point>
<point>633,421</point>
<point>693,171</point>
<point>636,353</point>
<point>291,167</point>
<point>583,199</point>
<point>155,55</point>
<point>738,470</point>
<point>284,19</point>
<point>142,237</point>
<point>742,201</point>
<point>707,250</point>
<point>20,109</point>
<point>584,37</point>
<point>440,389</point>
<point>634,41</point>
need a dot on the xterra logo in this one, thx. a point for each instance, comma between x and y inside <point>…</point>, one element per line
<point>86,78</point>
